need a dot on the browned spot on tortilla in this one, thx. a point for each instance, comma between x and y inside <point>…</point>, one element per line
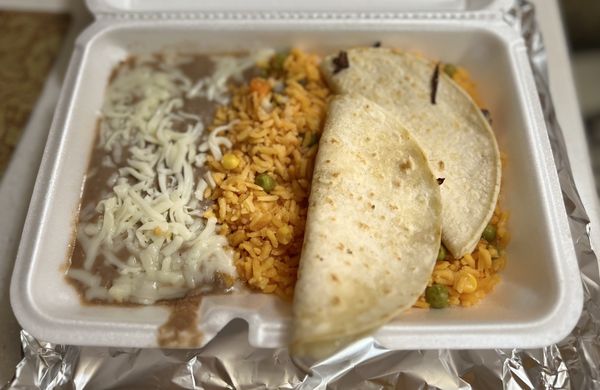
<point>334,277</point>
<point>340,62</point>
<point>363,226</point>
<point>396,183</point>
<point>386,290</point>
<point>335,301</point>
<point>368,138</point>
<point>434,82</point>
<point>441,164</point>
<point>335,174</point>
<point>329,200</point>
<point>340,246</point>
<point>327,161</point>
<point>348,251</point>
<point>333,141</point>
<point>406,164</point>
<point>320,258</point>
<point>393,206</point>
<point>371,194</point>
<point>372,206</point>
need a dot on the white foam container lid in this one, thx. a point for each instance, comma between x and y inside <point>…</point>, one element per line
<point>539,298</point>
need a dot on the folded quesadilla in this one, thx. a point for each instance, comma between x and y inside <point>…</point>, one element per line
<point>373,228</point>
<point>454,134</point>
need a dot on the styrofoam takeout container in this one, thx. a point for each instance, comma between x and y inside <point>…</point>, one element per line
<point>539,299</point>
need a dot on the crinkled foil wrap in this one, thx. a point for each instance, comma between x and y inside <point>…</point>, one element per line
<point>229,362</point>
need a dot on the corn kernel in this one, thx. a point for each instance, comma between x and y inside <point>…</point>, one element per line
<point>465,283</point>
<point>284,234</point>
<point>230,161</point>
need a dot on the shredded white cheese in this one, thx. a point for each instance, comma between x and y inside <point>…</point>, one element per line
<point>214,87</point>
<point>151,212</point>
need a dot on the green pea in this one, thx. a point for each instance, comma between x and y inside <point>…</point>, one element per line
<point>437,296</point>
<point>264,73</point>
<point>489,233</point>
<point>450,69</point>
<point>314,139</point>
<point>265,181</point>
<point>278,60</point>
<point>441,253</point>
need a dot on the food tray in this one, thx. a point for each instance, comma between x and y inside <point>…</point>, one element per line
<point>539,299</point>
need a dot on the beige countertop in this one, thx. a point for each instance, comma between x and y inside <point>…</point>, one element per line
<point>29,45</point>
<point>34,52</point>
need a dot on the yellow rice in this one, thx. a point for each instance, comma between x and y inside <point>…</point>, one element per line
<point>484,265</point>
<point>273,135</point>
<point>266,230</point>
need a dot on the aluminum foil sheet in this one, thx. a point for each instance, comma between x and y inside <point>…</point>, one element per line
<point>229,362</point>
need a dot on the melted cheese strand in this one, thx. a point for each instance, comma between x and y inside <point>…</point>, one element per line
<point>214,87</point>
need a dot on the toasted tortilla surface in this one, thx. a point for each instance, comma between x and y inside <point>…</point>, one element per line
<point>457,139</point>
<point>373,228</point>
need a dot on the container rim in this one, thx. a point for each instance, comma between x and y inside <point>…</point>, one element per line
<point>434,8</point>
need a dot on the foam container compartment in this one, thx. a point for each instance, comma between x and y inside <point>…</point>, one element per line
<point>539,299</point>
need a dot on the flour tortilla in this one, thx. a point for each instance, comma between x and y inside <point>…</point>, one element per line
<point>457,139</point>
<point>372,231</point>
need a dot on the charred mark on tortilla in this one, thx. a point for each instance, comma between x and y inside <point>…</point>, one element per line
<point>435,79</point>
<point>440,180</point>
<point>377,44</point>
<point>486,113</point>
<point>341,62</point>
